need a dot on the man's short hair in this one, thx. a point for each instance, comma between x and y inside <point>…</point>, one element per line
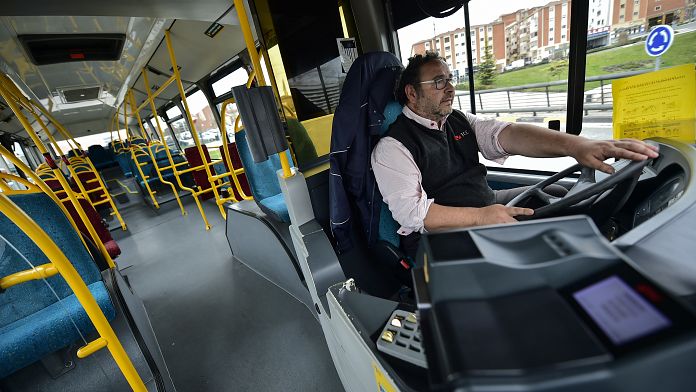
<point>411,74</point>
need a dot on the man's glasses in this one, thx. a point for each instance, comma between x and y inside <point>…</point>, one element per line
<point>439,83</point>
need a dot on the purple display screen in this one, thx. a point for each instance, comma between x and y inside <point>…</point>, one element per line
<point>619,311</point>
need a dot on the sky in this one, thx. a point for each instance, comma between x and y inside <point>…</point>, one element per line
<point>480,12</point>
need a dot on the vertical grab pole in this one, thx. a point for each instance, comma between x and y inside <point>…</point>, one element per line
<point>194,132</point>
<point>251,49</point>
<point>7,96</point>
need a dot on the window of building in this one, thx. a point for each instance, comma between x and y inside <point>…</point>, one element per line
<point>623,6</point>
<point>657,8</point>
<point>446,39</point>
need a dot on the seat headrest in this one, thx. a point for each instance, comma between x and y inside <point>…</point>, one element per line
<point>391,112</point>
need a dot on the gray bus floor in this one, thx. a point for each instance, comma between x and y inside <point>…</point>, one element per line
<point>221,327</point>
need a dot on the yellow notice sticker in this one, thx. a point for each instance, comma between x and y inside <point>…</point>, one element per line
<point>656,104</point>
<point>383,383</point>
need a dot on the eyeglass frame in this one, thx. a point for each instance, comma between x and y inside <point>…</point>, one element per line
<point>438,80</point>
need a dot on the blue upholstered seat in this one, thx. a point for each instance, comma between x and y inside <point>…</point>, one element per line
<point>101,157</point>
<point>32,321</point>
<point>388,227</point>
<point>263,180</point>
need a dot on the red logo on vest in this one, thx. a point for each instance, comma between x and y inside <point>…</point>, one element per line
<point>461,135</point>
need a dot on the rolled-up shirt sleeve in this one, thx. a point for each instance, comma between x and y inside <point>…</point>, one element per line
<point>399,181</point>
<point>487,132</point>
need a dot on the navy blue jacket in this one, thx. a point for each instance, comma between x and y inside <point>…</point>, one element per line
<point>368,87</point>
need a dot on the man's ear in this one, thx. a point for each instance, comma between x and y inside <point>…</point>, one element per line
<point>411,93</point>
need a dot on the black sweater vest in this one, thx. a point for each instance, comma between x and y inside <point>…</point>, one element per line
<point>448,161</point>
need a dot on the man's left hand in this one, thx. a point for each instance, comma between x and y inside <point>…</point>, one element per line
<point>593,153</point>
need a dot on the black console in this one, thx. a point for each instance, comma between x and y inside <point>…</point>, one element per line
<point>557,308</point>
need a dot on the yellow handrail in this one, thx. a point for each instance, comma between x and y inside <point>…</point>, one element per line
<point>187,111</point>
<point>42,271</point>
<point>251,49</point>
<point>153,155</point>
<point>8,92</point>
<point>73,279</point>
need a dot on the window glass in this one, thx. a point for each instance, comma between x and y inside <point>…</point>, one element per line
<point>19,152</point>
<point>182,133</point>
<point>167,133</point>
<point>511,50</point>
<point>236,78</point>
<point>230,117</point>
<point>148,131</point>
<point>204,122</point>
<point>173,112</point>
<point>102,138</point>
<point>9,168</point>
<point>618,50</point>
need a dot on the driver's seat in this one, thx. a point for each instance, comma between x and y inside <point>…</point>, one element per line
<point>364,113</point>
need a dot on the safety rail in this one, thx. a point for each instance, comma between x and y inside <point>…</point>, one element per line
<point>216,180</point>
<point>256,64</point>
<point>17,101</point>
<point>153,157</point>
<point>61,265</point>
<point>540,97</point>
<point>84,163</point>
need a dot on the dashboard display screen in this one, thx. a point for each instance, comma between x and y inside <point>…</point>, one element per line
<point>620,312</point>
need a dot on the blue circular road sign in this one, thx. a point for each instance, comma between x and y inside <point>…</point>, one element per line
<point>659,40</point>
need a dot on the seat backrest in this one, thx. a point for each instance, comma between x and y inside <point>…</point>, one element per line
<point>27,298</point>
<point>263,179</point>
<point>388,227</point>
<point>100,156</point>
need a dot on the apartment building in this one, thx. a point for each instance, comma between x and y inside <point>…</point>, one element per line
<point>599,23</point>
<point>539,33</point>
<point>452,46</point>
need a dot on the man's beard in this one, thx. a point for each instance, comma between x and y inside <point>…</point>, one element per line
<point>433,110</point>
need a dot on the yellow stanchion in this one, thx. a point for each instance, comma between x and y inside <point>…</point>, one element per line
<point>86,166</point>
<point>251,49</point>
<point>12,100</point>
<point>192,126</point>
<point>153,155</point>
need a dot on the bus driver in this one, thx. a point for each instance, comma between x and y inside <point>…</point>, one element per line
<point>427,165</point>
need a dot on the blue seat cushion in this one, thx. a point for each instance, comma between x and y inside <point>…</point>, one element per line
<point>123,159</point>
<point>388,227</point>
<point>29,339</point>
<point>276,207</point>
<point>391,112</point>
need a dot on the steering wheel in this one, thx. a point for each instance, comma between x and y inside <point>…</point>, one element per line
<point>586,194</point>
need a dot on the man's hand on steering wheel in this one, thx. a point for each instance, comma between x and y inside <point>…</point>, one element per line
<point>593,153</point>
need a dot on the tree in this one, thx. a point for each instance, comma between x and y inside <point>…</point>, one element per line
<point>486,71</point>
<point>558,68</point>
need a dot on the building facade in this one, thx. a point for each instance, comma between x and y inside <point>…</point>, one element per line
<point>538,34</point>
